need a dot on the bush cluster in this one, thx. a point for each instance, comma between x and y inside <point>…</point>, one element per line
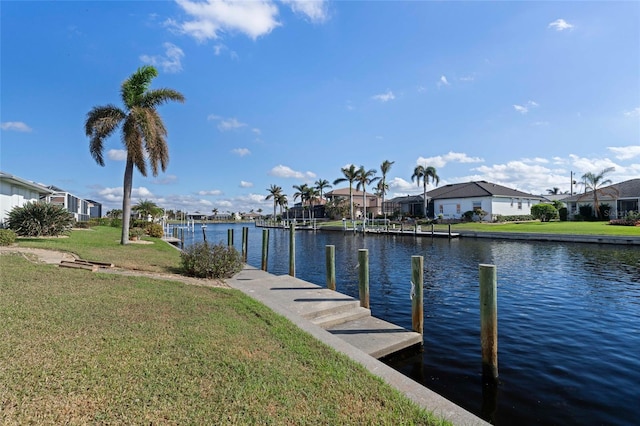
<point>630,219</point>
<point>40,219</point>
<point>514,218</point>
<point>154,230</point>
<point>7,237</point>
<point>204,260</point>
<point>545,212</point>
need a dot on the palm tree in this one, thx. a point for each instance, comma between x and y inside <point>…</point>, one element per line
<point>143,131</point>
<point>147,208</point>
<point>215,213</point>
<point>350,174</point>
<point>595,183</point>
<point>312,194</point>
<point>274,192</point>
<point>426,174</point>
<point>364,178</point>
<point>282,201</point>
<point>321,185</point>
<point>382,184</point>
<point>302,193</point>
<point>554,191</point>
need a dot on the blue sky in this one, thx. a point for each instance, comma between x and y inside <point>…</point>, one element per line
<point>285,92</point>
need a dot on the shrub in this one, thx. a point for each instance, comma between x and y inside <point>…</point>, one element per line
<point>543,211</point>
<point>204,260</point>
<point>514,218</point>
<point>563,213</point>
<point>605,211</point>
<point>100,221</point>
<point>7,237</point>
<point>135,233</point>
<point>630,219</point>
<point>154,230</point>
<point>468,216</point>
<point>586,211</point>
<point>82,225</point>
<point>40,219</point>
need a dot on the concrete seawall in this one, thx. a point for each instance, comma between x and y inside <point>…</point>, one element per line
<point>594,239</point>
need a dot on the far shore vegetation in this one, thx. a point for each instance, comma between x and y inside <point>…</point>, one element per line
<point>80,347</point>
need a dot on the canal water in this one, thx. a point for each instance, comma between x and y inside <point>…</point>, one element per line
<point>568,317</point>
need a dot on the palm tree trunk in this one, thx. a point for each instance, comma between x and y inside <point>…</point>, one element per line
<point>424,197</point>
<point>126,200</point>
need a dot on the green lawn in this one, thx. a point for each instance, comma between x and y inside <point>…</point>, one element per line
<point>80,347</point>
<point>102,243</point>
<point>577,228</point>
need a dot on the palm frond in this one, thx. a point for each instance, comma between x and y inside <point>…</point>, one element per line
<point>134,88</point>
<point>157,97</point>
<point>101,122</point>
<point>132,140</point>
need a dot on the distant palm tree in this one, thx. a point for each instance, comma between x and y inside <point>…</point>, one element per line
<point>321,185</point>
<point>382,183</point>
<point>554,191</point>
<point>350,174</point>
<point>147,208</point>
<point>302,191</point>
<point>143,132</point>
<point>595,182</point>
<point>215,213</point>
<point>364,178</point>
<point>282,201</point>
<point>425,173</point>
<point>312,194</point>
<point>274,192</point>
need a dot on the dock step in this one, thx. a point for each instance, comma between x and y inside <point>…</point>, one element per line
<point>335,319</point>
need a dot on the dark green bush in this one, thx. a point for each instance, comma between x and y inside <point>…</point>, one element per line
<point>605,211</point>
<point>543,211</point>
<point>204,260</point>
<point>7,237</point>
<point>514,218</point>
<point>586,211</point>
<point>100,221</point>
<point>116,222</point>
<point>40,219</point>
<point>82,225</point>
<point>563,213</point>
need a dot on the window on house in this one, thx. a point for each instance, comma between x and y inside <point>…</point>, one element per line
<point>441,209</point>
<point>458,209</point>
<point>519,203</point>
<point>528,202</point>
<point>512,202</point>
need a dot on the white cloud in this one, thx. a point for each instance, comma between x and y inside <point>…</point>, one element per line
<point>384,97</point>
<point>440,161</point>
<point>17,126</point>
<point>117,154</point>
<point>241,151</point>
<point>166,180</point>
<point>115,194</point>
<point>211,18</point>
<point>633,113</point>
<point>210,192</point>
<point>256,131</point>
<point>244,184</point>
<point>315,10</point>
<point>523,109</point>
<point>560,25</point>
<point>443,81</point>
<point>403,187</point>
<point>171,62</point>
<point>625,152</point>
<point>226,124</point>
<point>288,172</point>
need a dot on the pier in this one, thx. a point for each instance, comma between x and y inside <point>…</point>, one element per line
<point>337,313</point>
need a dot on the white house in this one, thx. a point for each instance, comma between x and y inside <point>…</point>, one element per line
<point>452,201</point>
<point>78,207</point>
<point>16,192</point>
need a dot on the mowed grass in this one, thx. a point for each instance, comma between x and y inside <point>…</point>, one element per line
<point>78,347</point>
<point>102,243</point>
<point>571,228</point>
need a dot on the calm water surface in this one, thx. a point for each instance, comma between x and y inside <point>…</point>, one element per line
<point>568,318</point>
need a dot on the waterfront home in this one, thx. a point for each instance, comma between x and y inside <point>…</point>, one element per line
<point>621,198</point>
<point>372,201</point>
<point>78,207</point>
<point>16,192</point>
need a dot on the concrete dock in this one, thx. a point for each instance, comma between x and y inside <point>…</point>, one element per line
<point>338,321</point>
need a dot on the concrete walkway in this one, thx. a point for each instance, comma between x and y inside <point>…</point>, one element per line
<point>338,321</point>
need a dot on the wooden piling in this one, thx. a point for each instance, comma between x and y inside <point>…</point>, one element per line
<point>417,300</point>
<point>330,257</point>
<point>363,277</point>
<point>204,234</point>
<point>292,250</point>
<point>245,241</point>
<point>265,248</point>
<point>229,237</point>
<point>449,230</point>
<point>489,321</point>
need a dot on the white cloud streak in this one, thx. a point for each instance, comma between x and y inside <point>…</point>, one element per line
<point>245,184</point>
<point>314,10</point>
<point>288,172</point>
<point>440,161</point>
<point>384,97</point>
<point>117,154</point>
<point>625,152</point>
<point>171,62</point>
<point>17,126</point>
<point>241,151</point>
<point>560,25</point>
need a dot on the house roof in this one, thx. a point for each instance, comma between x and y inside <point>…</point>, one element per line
<point>344,192</point>
<point>406,199</point>
<point>627,189</point>
<point>29,184</point>
<point>477,189</point>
